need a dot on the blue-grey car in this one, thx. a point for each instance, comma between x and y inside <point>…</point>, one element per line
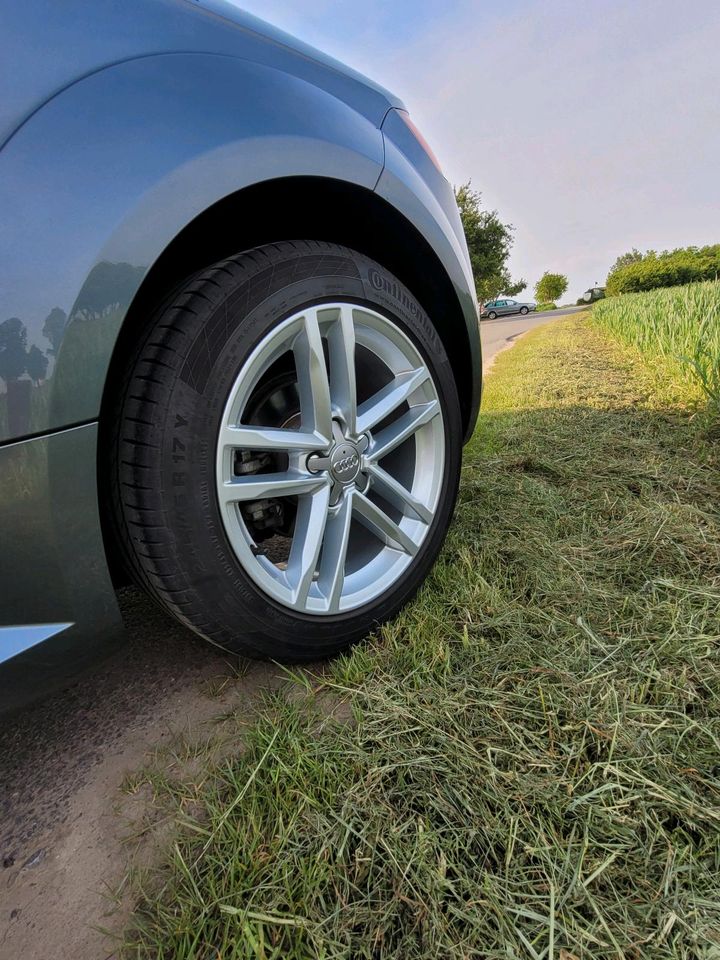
<point>504,307</point>
<point>239,349</point>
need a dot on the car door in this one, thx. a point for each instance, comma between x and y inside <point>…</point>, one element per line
<point>511,306</point>
<point>503,308</point>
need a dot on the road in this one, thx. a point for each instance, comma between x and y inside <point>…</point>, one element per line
<point>498,334</point>
<point>62,762</point>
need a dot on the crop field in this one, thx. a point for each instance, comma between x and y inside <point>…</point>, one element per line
<point>680,326</point>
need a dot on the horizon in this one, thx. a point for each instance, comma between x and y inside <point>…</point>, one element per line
<point>588,142</point>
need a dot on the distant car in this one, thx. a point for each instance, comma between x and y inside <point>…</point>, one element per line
<point>500,308</point>
<point>591,295</point>
<point>239,350</point>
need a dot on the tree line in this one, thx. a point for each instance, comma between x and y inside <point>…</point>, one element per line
<point>489,242</point>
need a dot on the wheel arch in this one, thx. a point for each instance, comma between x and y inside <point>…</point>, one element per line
<point>302,208</point>
<point>307,208</point>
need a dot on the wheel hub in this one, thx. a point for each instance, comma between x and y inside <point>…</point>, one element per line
<point>344,462</point>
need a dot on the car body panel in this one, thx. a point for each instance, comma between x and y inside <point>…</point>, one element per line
<point>414,186</point>
<point>48,46</point>
<point>104,218</point>
<point>53,570</point>
<point>121,124</point>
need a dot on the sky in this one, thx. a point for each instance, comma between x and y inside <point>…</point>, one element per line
<point>591,126</point>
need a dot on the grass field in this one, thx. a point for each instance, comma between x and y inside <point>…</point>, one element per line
<point>526,764</point>
<point>680,326</point>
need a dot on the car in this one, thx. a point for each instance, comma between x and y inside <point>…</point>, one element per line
<point>591,295</point>
<point>503,307</point>
<point>239,349</point>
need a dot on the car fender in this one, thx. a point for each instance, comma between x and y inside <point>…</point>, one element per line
<point>98,181</point>
<point>413,184</point>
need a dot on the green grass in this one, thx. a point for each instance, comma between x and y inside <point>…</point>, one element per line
<point>527,761</point>
<point>679,325</point>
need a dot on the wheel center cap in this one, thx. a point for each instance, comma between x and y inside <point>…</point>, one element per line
<point>345,462</point>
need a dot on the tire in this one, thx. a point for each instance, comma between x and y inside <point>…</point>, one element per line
<point>220,517</point>
<point>492,315</point>
<point>523,310</point>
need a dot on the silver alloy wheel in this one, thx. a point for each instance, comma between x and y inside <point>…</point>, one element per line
<point>358,524</point>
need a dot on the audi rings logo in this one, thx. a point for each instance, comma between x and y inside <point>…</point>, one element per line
<point>347,464</point>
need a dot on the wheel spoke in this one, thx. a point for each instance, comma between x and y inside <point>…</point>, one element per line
<point>263,485</point>
<point>405,426</point>
<point>350,531</point>
<point>379,523</point>
<point>313,385</point>
<point>334,551</point>
<point>381,404</point>
<point>341,352</point>
<point>395,493</point>
<point>308,537</point>
<point>274,439</point>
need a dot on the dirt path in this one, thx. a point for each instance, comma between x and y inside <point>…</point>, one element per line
<point>62,764</point>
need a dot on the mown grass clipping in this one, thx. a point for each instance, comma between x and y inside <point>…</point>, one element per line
<point>526,764</point>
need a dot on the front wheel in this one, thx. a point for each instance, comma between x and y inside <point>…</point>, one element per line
<point>523,310</point>
<point>287,451</point>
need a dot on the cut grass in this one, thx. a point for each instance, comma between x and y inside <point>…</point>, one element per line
<point>527,761</point>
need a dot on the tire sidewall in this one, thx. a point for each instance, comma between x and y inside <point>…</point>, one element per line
<point>188,436</point>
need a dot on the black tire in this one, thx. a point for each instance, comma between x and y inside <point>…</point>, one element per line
<point>492,315</point>
<point>523,310</point>
<point>166,516</point>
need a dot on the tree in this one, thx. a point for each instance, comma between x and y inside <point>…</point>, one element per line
<point>13,349</point>
<point>625,259</point>
<point>37,364</point>
<point>108,284</point>
<point>54,328</point>
<point>550,287</point>
<point>489,242</point>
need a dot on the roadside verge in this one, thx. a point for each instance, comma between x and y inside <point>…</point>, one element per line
<point>525,761</point>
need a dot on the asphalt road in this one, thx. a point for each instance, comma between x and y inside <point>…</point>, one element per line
<point>498,334</point>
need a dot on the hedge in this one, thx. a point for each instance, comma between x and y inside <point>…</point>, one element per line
<point>667,269</point>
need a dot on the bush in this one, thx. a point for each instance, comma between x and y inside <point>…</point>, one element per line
<point>668,269</point>
<point>547,306</point>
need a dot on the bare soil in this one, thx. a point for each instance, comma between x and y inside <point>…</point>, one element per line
<point>66,825</point>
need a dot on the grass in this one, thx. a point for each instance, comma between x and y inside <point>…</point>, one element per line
<point>680,326</point>
<point>526,763</point>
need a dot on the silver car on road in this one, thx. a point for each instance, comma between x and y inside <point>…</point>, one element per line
<point>500,308</point>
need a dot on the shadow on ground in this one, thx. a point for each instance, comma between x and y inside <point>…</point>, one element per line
<point>48,750</point>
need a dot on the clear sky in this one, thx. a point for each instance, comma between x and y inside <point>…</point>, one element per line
<point>592,126</point>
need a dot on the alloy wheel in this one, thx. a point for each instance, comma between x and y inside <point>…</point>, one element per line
<point>330,458</point>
